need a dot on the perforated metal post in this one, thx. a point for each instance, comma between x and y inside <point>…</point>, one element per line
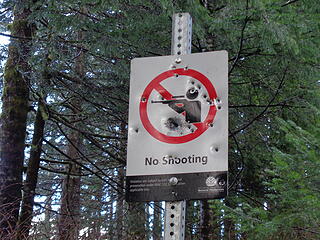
<point>181,34</point>
<point>174,226</point>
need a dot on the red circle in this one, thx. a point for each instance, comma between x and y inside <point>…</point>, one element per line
<point>201,127</point>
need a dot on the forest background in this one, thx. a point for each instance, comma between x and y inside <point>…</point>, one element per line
<point>65,87</point>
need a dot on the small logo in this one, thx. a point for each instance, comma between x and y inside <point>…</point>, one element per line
<point>211,181</point>
<point>222,182</point>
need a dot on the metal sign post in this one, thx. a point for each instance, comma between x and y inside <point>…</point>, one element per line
<point>175,212</point>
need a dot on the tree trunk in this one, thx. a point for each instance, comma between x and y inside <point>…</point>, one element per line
<point>70,200</point>
<point>119,208</point>
<point>147,218</point>
<point>204,220</point>
<point>229,225</point>
<point>14,119</point>
<point>156,224</point>
<point>136,221</point>
<point>120,186</point>
<point>30,184</point>
<point>110,218</point>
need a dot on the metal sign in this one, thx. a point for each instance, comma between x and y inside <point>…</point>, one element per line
<point>178,127</point>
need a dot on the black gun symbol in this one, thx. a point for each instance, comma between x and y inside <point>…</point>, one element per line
<point>192,109</point>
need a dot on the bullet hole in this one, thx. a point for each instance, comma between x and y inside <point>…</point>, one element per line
<point>173,123</point>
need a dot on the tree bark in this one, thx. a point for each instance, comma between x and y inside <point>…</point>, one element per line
<point>29,188</point>
<point>69,221</point>
<point>229,225</point>
<point>120,186</point>
<point>14,119</point>
<point>119,208</point>
<point>156,223</point>
<point>204,220</point>
<point>136,221</point>
<point>70,199</point>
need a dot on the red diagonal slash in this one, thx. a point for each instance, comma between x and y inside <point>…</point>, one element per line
<point>163,92</point>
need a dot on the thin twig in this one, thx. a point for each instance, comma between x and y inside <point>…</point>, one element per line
<point>266,108</point>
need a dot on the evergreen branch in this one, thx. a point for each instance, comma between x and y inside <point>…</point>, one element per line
<point>66,173</point>
<point>95,104</point>
<point>85,14</point>
<point>57,74</point>
<point>5,10</point>
<point>99,146</point>
<point>53,161</point>
<point>246,20</point>
<point>49,209</point>
<point>307,230</point>
<point>263,106</point>
<point>253,200</point>
<point>61,172</point>
<point>82,165</point>
<point>242,163</point>
<point>69,125</point>
<point>15,37</point>
<point>266,108</point>
<point>80,152</point>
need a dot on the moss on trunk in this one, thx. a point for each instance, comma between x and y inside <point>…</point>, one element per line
<point>13,120</point>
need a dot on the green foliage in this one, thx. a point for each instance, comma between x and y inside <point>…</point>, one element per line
<point>273,100</point>
<point>292,206</point>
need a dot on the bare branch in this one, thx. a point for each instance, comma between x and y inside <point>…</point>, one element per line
<point>289,2</point>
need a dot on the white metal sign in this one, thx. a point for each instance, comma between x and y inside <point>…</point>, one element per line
<point>178,117</point>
